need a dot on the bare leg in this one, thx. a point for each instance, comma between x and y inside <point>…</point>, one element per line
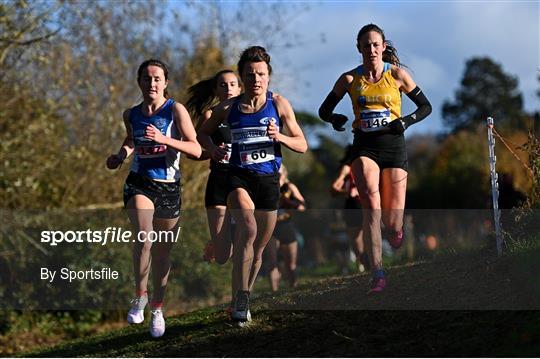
<point>271,260</point>
<point>219,225</point>
<point>290,254</point>
<point>266,222</point>
<point>367,174</point>
<point>246,232</point>
<point>393,191</point>
<point>161,263</point>
<point>141,212</point>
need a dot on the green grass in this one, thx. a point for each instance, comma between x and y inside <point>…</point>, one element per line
<point>458,304</point>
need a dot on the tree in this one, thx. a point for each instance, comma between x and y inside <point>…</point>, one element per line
<point>486,90</point>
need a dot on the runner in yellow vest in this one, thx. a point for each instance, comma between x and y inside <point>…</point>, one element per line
<point>380,156</point>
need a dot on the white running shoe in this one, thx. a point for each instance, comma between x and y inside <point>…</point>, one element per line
<point>246,323</point>
<point>157,323</point>
<point>136,313</point>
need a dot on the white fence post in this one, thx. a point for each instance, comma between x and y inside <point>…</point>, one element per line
<point>494,185</point>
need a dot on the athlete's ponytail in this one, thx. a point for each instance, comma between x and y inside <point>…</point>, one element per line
<point>202,95</point>
<point>390,55</point>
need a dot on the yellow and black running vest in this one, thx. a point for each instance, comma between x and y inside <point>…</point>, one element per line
<point>375,105</point>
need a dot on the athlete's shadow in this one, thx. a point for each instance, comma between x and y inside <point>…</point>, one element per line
<point>127,341</point>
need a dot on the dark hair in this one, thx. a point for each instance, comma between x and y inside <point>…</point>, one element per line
<point>254,54</point>
<point>202,94</point>
<point>390,54</point>
<point>153,62</point>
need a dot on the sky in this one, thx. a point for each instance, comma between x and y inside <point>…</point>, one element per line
<point>434,39</point>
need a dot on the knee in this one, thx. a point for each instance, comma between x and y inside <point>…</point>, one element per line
<point>141,248</point>
<point>257,258</point>
<point>370,199</point>
<point>248,230</point>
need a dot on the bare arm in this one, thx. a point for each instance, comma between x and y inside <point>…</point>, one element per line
<point>403,79</point>
<point>295,140</point>
<point>115,160</point>
<point>210,126</point>
<point>204,117</point>
<point>339,182</point>
<point>298,196</point>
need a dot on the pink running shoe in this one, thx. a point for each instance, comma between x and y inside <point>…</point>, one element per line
<point>397,239</point>
<point>209,253</point>
<point>377,285</point>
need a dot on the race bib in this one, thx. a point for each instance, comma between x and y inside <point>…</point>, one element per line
<point>256,153</point>
<point>145,148</point>
<point>374,120</point>
<point>228,147</point>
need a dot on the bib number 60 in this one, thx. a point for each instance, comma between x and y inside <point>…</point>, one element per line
<point>255,155</point>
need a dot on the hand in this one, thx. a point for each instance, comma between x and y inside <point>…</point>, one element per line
<point>337,185</point>
<point>219,153</point>
<point>114,161</point>
<point>338,120</point>
<point>397,126</point>
<point>273,131</point>
<point>154,134</point>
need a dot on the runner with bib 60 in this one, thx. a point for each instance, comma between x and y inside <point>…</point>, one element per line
<point>255,119</point>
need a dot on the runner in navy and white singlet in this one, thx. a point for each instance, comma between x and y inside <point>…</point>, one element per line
<point>256,119</point>
<point>157,131</point>
<point>204,96</point>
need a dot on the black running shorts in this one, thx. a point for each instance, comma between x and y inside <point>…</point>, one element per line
<point>284,232</point>
<point>352,212</point>
<point>387,150</point>
<point>164,195</point>
<point>263,189</point>
<point>217,188</point>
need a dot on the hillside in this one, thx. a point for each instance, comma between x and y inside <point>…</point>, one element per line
<point>466,304</point>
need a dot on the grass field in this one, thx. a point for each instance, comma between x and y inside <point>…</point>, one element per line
<point>458,304</point>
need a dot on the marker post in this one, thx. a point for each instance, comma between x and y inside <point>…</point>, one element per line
<point>494,185</point>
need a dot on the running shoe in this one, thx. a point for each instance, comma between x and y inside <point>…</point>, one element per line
<point>364,260</point>
<point>157,323</point>
<point>377,285</point>
<point>229,310</point>
<point>209,253</point>
<point>246,323</point>
<point>136,313</point>
<point>396,240</point>
<point>240,311</point>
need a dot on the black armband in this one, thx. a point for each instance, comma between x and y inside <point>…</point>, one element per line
<point>423,110</point>
<point>328,105</point>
